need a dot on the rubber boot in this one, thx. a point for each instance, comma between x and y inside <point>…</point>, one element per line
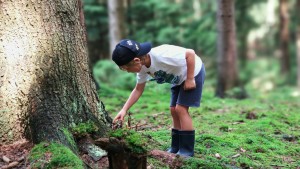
<point>175,142</point>
<point>186,143</point>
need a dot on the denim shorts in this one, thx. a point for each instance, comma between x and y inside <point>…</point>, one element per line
<point>189,98</point>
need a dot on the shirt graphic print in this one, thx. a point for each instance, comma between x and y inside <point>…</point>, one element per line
<point>163,77</point>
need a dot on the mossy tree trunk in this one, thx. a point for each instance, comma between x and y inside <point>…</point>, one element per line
<point>298,42</point>
<point>45,82</point>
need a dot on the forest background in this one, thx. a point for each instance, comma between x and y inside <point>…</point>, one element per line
<point>266,36</point>
<point>265,55</point>
<point>52,52</point>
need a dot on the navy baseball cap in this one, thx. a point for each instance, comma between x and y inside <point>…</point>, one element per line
<point>126,50</point>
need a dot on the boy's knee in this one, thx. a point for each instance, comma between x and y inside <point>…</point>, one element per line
<point>180,108</point>
<point>172,109</point>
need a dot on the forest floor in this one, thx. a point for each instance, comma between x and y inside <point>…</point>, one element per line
<point>14,156</point>
<point>261,131</point>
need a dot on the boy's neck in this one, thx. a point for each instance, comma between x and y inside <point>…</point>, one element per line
<point>147,60</point>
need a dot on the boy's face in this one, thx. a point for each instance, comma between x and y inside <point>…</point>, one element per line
<point>133,66</point>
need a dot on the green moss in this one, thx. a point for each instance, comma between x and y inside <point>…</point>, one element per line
<point>83,129</point>
<point>209,163</point>
<point>54,155</point>
<point>69,137</point>
<point>134,140</point>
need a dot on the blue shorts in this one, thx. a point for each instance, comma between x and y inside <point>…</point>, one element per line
<point>189,98</point>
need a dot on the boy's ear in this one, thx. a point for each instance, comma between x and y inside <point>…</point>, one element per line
<point>137,59</point>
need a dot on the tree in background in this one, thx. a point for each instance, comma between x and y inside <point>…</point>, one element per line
<point>284,37</point>
<point>227,77</point>
<point>116,23</point>
<point>298,42</point>
<point>156,21</point>
<point>245,23</point>
<point>45,82</point>
<point>96,20</point>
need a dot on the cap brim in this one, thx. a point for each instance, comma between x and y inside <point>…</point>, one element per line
<point>144,48</point>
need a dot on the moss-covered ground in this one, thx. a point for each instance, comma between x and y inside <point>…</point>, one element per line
<point>261,131</point>
<point>54,155</point>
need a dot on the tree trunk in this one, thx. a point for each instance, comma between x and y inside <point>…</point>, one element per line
<point>116,23</point>
<point>227,67</point>
<point>197,9</point>
<point>45,82</point>
<point>298,42</point>
<point>284,37</point>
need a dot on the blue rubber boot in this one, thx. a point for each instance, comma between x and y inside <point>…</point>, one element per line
<point>175,142</point>
<point>186,143</point>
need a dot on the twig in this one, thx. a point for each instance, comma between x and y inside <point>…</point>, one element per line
<point>129,120</point>
<point>137,125</point>
<point>10,165</point>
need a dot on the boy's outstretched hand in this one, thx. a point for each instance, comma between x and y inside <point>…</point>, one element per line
<point>189,84</point>
<point>120,116</point>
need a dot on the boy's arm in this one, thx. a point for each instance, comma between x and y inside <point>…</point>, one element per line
<point>133,98</point>
<point>190,64</point>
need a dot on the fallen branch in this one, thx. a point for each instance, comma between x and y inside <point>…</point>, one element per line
<point>10,165</point>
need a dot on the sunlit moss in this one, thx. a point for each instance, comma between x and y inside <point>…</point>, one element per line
<point>82,129</point>
<point>134,140</point>
<point>53,156</point>
<point>70,138</point>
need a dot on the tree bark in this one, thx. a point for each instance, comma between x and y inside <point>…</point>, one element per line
<point>45,82</point>
<point>227,52</point>
<point>298,43</point>
<point>116,23</point>
<point>284,37</point>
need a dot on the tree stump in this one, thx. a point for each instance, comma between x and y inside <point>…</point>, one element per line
<point>120,156</point>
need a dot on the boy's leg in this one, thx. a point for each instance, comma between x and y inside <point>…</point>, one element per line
<point>175,118</point>
<point>175,132</point>
<point>186,99</point>
<point>185,120</point>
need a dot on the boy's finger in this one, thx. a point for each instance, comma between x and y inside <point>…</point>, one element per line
<point>115,119</point>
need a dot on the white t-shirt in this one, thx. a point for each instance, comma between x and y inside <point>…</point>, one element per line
<point>168,65</point>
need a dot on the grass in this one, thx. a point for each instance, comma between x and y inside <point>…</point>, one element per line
<point>270,140</point>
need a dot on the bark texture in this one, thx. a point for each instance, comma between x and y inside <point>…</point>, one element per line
<point>45,82</point>
<point>116,23</point>
<point>227,52</point>
<point>298,43</point>
<point>284,37</point>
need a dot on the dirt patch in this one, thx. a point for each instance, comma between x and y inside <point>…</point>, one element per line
<point>88,160</point>
<point>15,155</point>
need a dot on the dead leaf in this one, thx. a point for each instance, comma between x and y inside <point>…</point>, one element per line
<point>218,156</point>
<point>242,150</point>
<point>237,155</point>
<point>5,159</point>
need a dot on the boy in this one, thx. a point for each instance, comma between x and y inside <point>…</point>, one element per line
<point>166,64</point>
